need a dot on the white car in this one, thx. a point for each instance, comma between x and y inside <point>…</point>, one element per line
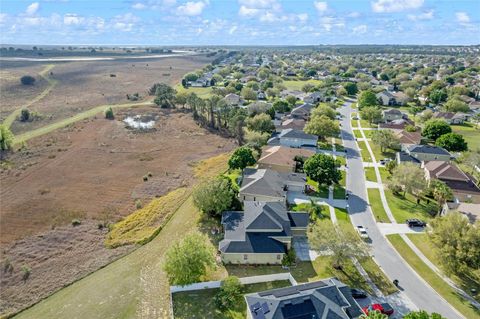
<point>362,232</point>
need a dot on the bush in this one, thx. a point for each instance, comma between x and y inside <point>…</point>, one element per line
<point>230,293</point>
<point>109,114</point>
<point>26,272</point>
<point>76,222</point>
<point>6,138</point>
<point>27,80</point>
<point>138,204</point>
<point>289,258</point>
<point>214,197</point>
<point>24,115</point>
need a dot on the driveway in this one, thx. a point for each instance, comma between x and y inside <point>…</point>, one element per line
<point>302,249</point>
<point>414,288</point>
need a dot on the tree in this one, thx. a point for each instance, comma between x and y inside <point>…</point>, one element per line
<point>229,294</point>
<point>241,158</point>
<point>385,139</point>
<point>165,95</point>
<point>261,123</point>
<point>390,166</point>
<point>191,76</point>
<point>437,96</point>
<point>27,80</point>
<point>367,98</point>
<point>456,242</point>
<point>372,114</point>
<point>308,87</point>
<point>181,98</point>
<point>188,261</point>
<point>109,113</point>
<point>256,139</point>
<point>248,94</point>
<point>281,106</point>
<point>325,110</point>
<point>25,115</point>
<point>422,314</point>
<point>410,177</point>
<point>351,88</point>
<point>289,258</point>
<point>215,196</point>
<point>435,128</point>
<point>440,191</point>
<point>322,126</point>
<point>456,105</point>
<point>343,245</point>
<point>323,169</point>
<point>6,138</point>
<point>374,314</point>
<point>426,115</point>
<point>452,142</point>
<point>291,100</point>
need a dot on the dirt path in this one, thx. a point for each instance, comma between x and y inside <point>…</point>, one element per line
<point>51,83</point>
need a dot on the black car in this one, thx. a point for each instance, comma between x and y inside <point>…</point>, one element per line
<point>416,223</point>
<point>358,293</point>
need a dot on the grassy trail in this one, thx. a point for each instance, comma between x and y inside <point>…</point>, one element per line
<point>70,120</point>
<point>51,83</point>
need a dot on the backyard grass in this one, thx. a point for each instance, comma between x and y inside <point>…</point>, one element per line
<point>404,208</point>
<point>435,281</point>
<point>364,151</point>
<point>200,303</point>
<point>134,285</point>
<point>470,134</point>
<point>376,206</point>
<point>320,191</point>
<point>298,85</point>
<point>370,174</point>
<point>467,282</point>
<point>203,92</point>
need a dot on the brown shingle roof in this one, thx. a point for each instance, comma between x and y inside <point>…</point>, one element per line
<point>281,155</point>
<point>409,137</point>
<point>445,171</point>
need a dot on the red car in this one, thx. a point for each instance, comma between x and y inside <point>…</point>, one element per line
<point>384,308</point>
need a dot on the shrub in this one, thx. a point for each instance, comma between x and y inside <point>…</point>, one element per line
<point>76,222</point>
<point>6,138</point>
<point>8,267</point>
<point>213,197</point>
<point>26,273</point>
<point>230,293</point>
<point>109,114</point>
<point>27,80</point>
<point>289,258</point>
<point>138,204</point>
<point>145,178</point>
<point>24,115</point>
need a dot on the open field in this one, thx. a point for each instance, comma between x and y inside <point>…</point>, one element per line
<point>435,281</point>
<point>92,171</point>
<point>470,134</point>
<point>298,85</point>
<point>107,82</point>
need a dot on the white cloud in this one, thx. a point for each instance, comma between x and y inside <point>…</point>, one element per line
<point>232,29</point>
<point>353,14</point>
<point>321,6</point>
<point>124,22</point>
<point>192,8</point>
<point>381,6</point>
<point>72,19</point>
<point>32,9</point>
<point>328,23</point>
<point>261,8</point>
<point>303,17</point>
<point>248,12</point>
<point>360,29</point>
<point>462,17</point>
<point>139,6</point>
<point>428,15</point>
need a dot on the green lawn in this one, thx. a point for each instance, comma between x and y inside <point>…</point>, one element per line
<point>298,85</point>
<point>384,174</point>
<point>365,124</point>
<point>354,123</point>
<point>200,303</point>
<point>199,91</point>
<point>341,160</point>
<point>470,134</point>
<point>320,191</point>
<point>234,176</point>
<point>406,208</point>
<point>358,133</point>
<point>343,180</point>
<point>435,281</point>
<point>377,206</point>
<point>368,133</point>
<point>325,145</point>
<point>338,192</point>
<point>422,241</point>
<point>370,174</point>
<point>389,153</point>
<point>364,151</point>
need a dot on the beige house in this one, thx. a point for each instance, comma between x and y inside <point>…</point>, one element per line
<point>281,158</point>
<point>261,234</point>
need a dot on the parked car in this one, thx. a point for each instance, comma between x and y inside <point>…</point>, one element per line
<point>355,118</point>
<point>416,223</point>
<point>384,308</point>
<point>358,293</point>
<point>362,232</point>
<point>384,161</point>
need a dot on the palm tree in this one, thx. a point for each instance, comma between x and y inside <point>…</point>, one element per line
<point>441,192</point>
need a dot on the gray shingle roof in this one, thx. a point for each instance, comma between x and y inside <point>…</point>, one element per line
<point>268,182</point>
<point>292,133</point>
<point>427,149</point>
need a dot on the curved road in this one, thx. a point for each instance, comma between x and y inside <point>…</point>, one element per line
<point>417,290</point>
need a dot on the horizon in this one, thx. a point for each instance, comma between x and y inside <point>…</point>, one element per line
<point>240,22</point>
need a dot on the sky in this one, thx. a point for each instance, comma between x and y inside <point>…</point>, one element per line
<point>239,22</point>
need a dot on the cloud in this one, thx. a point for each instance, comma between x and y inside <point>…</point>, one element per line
<point>303,17</point>
<point>360,29</point>
<point>139,6</point>
<point>462,17</point>
<point>124,22</point>
<point>353,14</point>
<point>381,6</point>
<point>428,15</point>
<point>248,12</point>
<point>32,9</point>
<point>328,23</point>
<point>265,8</point>
<point>321,6</point>
<point>72,19</point>
<point>232,29</point>
<point>192,8</point>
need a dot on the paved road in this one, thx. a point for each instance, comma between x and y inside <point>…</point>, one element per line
<point>421,294</point>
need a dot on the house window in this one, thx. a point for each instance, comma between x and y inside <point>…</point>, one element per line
<point>245,257</point>
<point>279,257</point>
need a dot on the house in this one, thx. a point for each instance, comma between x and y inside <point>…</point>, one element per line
<point>299,95</point>
<point>302,111</point>
<point>294,138</point>
<point>470,210</point>
<point>396,124</point>
<point>269,186</point>
<point>427,153</point>
<point>404,157</point>
<point>296,124</point>
<point>313,98</point>
<point>261,95</point>
<point>392,115</point>
<point>328,298</point>
<point>450,117</point>
<point>261,234</point>
<point>461,184</point>
<point>281,158</point>
<point>408,138</point>
<point>392,98</point>
<point>233,99</point>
